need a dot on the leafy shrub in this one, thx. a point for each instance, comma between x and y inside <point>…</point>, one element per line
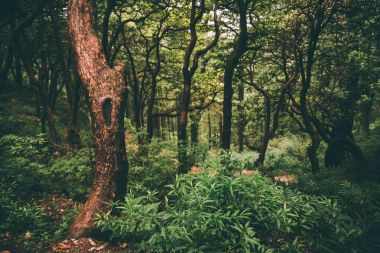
<point>21,160</point>
<point>155,167</point>
<point>25,167</point>
<point>29,226</point>
<point>197,153</point>
<point>72,175</point>
<point>358,200</point>
<point>217,212</point>
<point>139,216</point>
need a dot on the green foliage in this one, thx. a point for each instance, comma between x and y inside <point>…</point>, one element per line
<point>197,153</point>
<point>217,212</point>
<point>25,168</point>
<point>139,216</point>
<point>71,175</point>
<point>152,166</point>
<point>287,154</point>
<point>31,227</point>
<point>21,161</point>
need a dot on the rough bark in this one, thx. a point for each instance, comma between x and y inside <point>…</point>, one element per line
<point>106,89</point>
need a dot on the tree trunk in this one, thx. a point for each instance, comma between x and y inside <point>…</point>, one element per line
<point>220,130</point>
<point>136,96</point>
<point>8,49</point>
<point>149,121</point>
<point>106,89</point>
<point>194,126</point>
<point>182,123</point>
<point>72,85</point>
<point>53,90</point>
<point>241,120</point>
<point>232,62</point>
<point>73,140</point>
<point>44,98</point>
<point>267,133</point>
<point>366,118</point>
<point>209,131</point>
<point>18,77</point>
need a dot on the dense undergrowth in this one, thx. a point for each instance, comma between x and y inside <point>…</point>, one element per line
<point>215,210</point>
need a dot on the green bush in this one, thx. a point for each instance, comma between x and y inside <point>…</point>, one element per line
<point>154,167</point>
<point>21,161</point>
<point>71,175</point>
<point>197,153</point>
<point>26,168</point>
<point>217,212</point>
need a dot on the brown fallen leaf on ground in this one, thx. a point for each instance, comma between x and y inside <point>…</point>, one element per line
<point>286,179</point>
<point>27,235</point>
<point>247,172</point>
<point>102,246</point>
<point>63,246</point>
<point>123,245</point>
<point>91,242</point>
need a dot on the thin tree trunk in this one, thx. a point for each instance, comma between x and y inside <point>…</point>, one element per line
<point>209,130</point>
<point>8,49</point>
<point>182,123</point>
<point>72,86</point>
<point>106,92</point>
<point>232,62</point>
<point>267,135</point>
<point>44,98</point>
<point>149,126</point>
<point>241,120</point>
<point>194,126</point>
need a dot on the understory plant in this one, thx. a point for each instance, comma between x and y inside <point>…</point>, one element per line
<point>220,211</point>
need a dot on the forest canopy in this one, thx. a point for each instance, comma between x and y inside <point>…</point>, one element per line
<point>190,126</point>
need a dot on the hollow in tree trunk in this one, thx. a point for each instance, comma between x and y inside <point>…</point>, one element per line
<point>106,90</point>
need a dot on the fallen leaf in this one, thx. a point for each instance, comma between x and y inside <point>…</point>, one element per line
<point>64,246</point>
<point>91,242</point>
<point>91,249</point>
<point>124,245</point>
<point>102,247</point>
<point>247,172</point>
<point>27,235</point>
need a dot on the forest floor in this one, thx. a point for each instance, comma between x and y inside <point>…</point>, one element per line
<point>286,165</point>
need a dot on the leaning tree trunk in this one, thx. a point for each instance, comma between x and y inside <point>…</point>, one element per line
<point>106,90</point>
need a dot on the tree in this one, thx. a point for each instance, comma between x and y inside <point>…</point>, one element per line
<point>239,48</point>
<point>188,71</point>
<point>105,88</point>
